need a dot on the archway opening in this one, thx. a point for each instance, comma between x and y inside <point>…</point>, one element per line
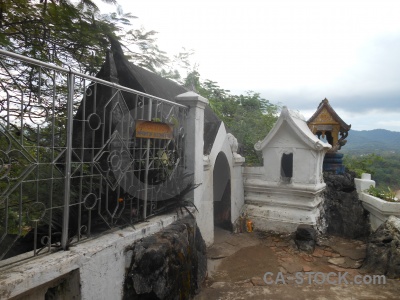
<point>222,193</point>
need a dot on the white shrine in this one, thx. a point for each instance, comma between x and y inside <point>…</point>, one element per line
<point>286,190</point>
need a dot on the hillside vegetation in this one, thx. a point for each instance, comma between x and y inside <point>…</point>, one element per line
<point>377,141</point>
<point>376,152</point>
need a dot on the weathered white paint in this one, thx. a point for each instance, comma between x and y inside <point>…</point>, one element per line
<point>194,144</point>
<point>271,202</point>
<point>203,166</point>
<point>101,264</point>
<point>224,143</point>
<point>379,210</point>
<point>364,183</point>
<point>207,204</point>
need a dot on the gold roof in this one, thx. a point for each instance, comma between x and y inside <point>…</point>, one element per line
<point>326,115</point>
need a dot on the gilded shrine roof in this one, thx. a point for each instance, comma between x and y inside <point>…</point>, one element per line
<point>326,115</point>
<point>326,122</point>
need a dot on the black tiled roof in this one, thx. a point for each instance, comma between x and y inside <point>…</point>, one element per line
<point>142,80</point>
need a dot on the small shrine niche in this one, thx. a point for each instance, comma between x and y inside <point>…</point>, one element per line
<point>326,124</point>
<point>292,155</point>
<point>286,191</point>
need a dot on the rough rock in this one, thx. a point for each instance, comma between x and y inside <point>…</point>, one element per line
<point>343,212</point>
<point>383,249</point>
<point>305,238</point>
<point>171,264</point>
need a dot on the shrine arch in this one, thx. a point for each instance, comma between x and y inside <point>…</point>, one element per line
<point>222,192</point>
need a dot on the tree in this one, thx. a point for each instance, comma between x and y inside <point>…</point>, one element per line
<point>248,117</point>
<point>361,164</point>
<point>75,34</point>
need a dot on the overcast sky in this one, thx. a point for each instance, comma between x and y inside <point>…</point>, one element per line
<point>294,53</point>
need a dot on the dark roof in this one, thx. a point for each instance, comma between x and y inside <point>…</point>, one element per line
<point>325,104</point>
<point>142,80</point>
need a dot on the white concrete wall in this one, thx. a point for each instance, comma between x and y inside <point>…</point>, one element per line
<point>194,144</point>
<point>307,166</point>
<point>379,209</point>
<point>221,144</point>
<point>237,192</point>
<point>101,264</point>
<point>280,207</point>
<point>291,134</point>
<point>206,209</point>
<point>98,266</point>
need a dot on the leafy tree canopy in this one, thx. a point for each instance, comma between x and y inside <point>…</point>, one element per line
<point>384,168</point>
<point>76,34</point>
<point>248,117</point>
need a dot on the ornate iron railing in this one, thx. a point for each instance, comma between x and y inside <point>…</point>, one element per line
<point>71,163</point>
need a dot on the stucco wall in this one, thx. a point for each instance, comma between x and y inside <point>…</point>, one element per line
<point>205,217</point>
<point>97,266</point>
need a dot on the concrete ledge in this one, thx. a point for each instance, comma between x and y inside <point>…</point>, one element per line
<point>281,218</point>
<point>281,207</point>
<point>278,219</point>
<point>101,263</point>
<point>363,183</point>
<point>380,210</point>
<point>262,186</point>
<point>253,173</point>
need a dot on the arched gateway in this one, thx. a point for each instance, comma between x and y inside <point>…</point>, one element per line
<point>222,192</point>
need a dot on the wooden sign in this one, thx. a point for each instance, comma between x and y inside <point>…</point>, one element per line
<point>153,130</point>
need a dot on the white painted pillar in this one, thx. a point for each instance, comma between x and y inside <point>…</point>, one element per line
<point>194,143</point>
<point>237,187</point>
<point>364,183</point>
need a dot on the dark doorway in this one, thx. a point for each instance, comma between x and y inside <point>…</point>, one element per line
<point>222,193</point>
<point>287,167</point>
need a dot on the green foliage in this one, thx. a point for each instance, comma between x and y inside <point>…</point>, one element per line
<point>75,34</point>
<point>385,168</point>
<point>387,194</point>
<point>361,164</point>
<point>56,31</point>
<point>248,117</point>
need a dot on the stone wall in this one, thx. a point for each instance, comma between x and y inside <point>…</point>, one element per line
<point>223,145</point>
<point>171,264</point>
<point>343,213</point>
<point>383,249</point>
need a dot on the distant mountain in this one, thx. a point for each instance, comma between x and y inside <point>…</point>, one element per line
<point>377,141</point>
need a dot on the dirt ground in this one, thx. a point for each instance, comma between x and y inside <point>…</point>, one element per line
<point>238,263</point>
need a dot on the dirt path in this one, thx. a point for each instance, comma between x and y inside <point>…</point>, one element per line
<point>238,262</point>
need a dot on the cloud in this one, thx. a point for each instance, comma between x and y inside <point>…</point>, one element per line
<point>293,53</point>
<point>369,87</point>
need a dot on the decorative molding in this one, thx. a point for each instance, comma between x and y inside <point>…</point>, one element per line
<point>303,190</point>
<point>258,145</point>
<point>324,117</point>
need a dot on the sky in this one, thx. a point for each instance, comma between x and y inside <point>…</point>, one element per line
<point>294,53</point>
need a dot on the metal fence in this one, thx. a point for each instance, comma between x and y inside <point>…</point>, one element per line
<point>71,162</point>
